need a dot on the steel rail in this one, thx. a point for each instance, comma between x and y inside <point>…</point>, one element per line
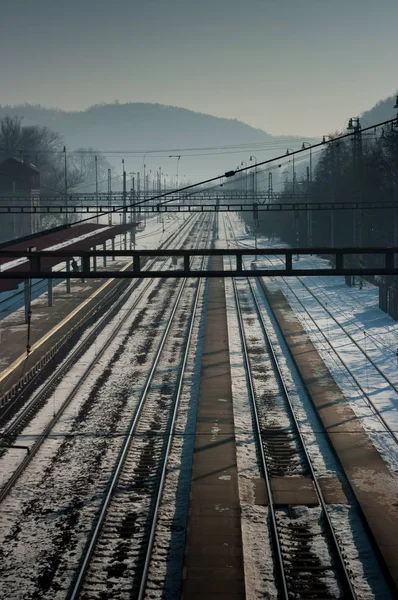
<point>114,292</point>
<point>264,464</point>
<point>260,446</point>
<point>370,402</point>
<point>321,498</point>
<point>44,434</point>
<point>144,577</point>
<point>347,581</point>
<point>79,580</point>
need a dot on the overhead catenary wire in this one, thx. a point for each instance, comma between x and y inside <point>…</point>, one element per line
<point>231,173</point>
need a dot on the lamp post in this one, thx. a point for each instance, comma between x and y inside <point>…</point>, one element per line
<point>255,173</point>
<point>143,169</point>
<point>294,172</point>
<point>124,194</point>
<point>327,139</point>
<point>255,210</point>
<point>310,149</point>
<point>309,212</point>
<point>295,213</point>
<point>132,214</point>
<point>243,162</point>
<point>66,186</point>
<point>177,156</point>
<point>395,216</point>
<point>96,188</point>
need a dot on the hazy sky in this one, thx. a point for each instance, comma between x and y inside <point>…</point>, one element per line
<point>287,66</point>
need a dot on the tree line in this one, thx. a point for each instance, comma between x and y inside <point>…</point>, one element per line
<point>362,168</point>
<point>44,148</point>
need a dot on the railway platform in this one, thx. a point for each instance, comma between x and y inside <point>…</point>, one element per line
<point>375,488</point>
<point>49,324</point>
<point>213,564</point>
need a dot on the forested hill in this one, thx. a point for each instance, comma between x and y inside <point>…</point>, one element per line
<point>145,127</point>
<point>138,125</point>
<point>382,111</point>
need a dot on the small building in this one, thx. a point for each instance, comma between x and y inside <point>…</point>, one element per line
<point>19,181</point>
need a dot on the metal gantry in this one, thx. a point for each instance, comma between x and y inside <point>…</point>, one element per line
<point>114,204</point>
<point>38,264</point>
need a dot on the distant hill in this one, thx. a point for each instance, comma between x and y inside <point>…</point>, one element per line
<point>382,111</point>
<point>145,127</point>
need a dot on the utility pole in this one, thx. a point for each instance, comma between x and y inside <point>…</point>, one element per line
<point>395,212</point>
<point>308,145</point>
<point>96,188</point>
<point>270,187</point>
<point>132,198</point>
<point>109,196</point>
<point>294,171</point>
<point>332,186</point>
<point>133,215</point>
<point>254,174</point>
<point>124,196</point>
<point>178,157</point>
<point>66,187</point>
<point>355,125</point>
<point>309,211</point>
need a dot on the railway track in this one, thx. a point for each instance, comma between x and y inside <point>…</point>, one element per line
<point>13,398</point>
<point>310,562</point>
<point>338,354</point>
<point>38,400</point>
<point>69,480</point>
<point>369,361</point>
<point>117,557</point>
<point>304,540</point>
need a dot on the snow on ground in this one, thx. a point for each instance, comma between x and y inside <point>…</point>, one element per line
<point>369,581</point>
<point>13,457</point>
<point>19,261</point>
<point>66,478</point>
<point>56,499</point>
<point>152,237</point>
<point>157,230</point>
<point>355,312</point>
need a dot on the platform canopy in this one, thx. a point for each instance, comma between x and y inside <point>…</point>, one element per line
<point>74,240</point>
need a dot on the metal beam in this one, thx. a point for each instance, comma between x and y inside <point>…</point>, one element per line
<point>37,262</point>
<point>248,206</point>
<point>37,255</point>
<point>141,196</point>
<point>283,272</point>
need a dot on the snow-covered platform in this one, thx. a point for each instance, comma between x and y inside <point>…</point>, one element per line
<point>374,486</point>
<point>213,566</point>
<point>49,324</point>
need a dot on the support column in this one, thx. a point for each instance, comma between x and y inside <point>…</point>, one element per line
<point>133,229</point>
<point>67,279</point>
<point>113,248</point>
<point>104,248</point>
<point>26,284</point>
<point>50,291</point>
<point>309,228</point>
<point>94,260</point>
